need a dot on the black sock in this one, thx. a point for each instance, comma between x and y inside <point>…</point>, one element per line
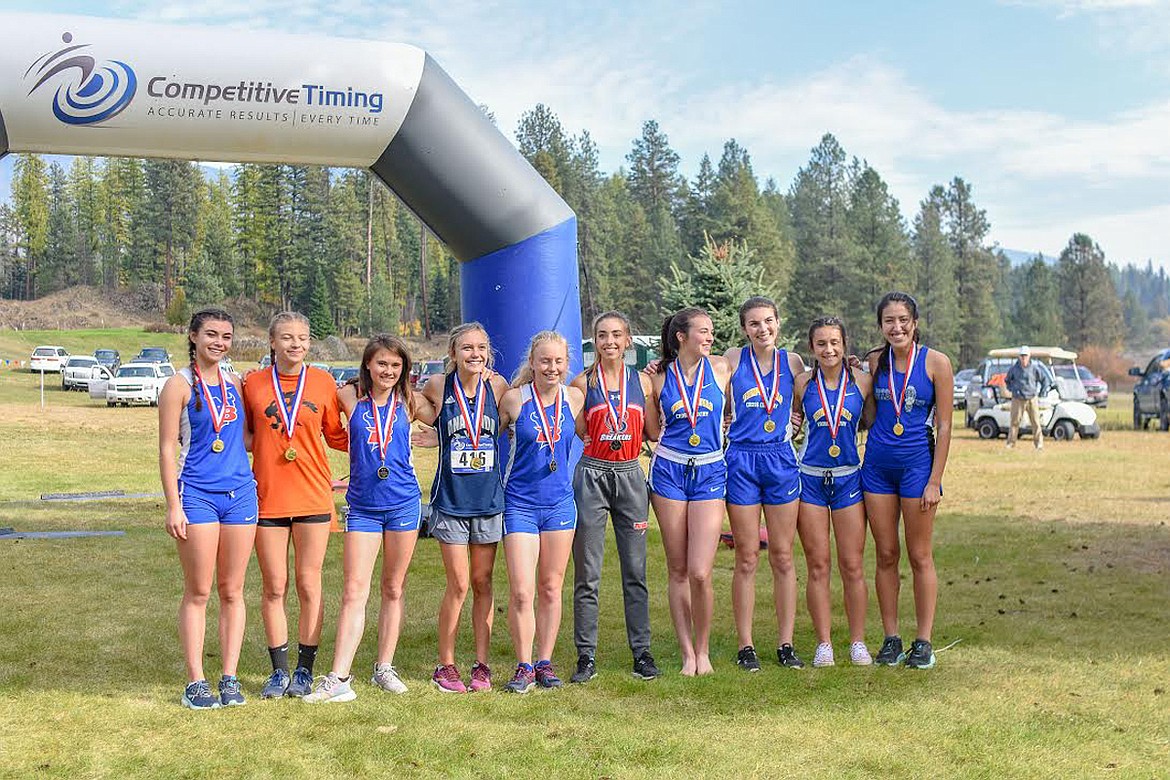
<point>279,657</point>
<point>306,656</point>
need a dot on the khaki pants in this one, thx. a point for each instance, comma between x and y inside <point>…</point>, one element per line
<point>1032,406</point>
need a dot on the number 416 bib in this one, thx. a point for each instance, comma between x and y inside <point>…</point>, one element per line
<point>466,459</point>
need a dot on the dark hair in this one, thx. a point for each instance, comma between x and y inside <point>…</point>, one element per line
<point>679,322</point>
<point>911,305</point>
<point>829,322</point>
<point>756,302</point>
<point>197,320</point>
<point>366,380</point>
<point>612,314</point>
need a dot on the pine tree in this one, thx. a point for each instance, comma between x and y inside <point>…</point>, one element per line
<point>879,251</point>
<point>934,284</point>
<point>966,228</point>
<point>1037,313</point>
<point>1092,311</point>
<point>30,203</point>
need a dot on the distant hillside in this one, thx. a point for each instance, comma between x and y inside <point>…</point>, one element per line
<point>1018,258</point>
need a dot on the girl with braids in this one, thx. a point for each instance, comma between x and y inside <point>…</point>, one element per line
<point>539,512</point>
<point>467,497</point>
<point>211,500</point>
<point>610,481</point>
<point>384,512</point>
<point>762,475</point>
<point>904,463</point>
<point>832,396</point>
<point>291,406</point>
<point>688,476</point>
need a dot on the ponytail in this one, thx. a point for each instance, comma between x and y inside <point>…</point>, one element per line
<point>679,322</point>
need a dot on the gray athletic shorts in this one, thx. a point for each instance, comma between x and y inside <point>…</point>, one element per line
<point>483,529</point>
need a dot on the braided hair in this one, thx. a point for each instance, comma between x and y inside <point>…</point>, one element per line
<point>197,320</point>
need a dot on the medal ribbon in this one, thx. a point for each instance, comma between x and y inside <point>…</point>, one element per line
<point>384,433</point>
<point>287,416</point>
<point>473,427</point>
<point>770,398</point>
<point>832,418</point>
<point>542,420</point>
<point>616,416</point>
<point>217,417</point>
<point>690,405</point>
<point>897,399</point>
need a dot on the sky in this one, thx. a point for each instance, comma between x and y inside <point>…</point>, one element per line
<point>1056,111</point>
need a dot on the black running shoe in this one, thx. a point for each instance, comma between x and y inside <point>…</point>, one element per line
<point>891,653</point>
<point>787,657</point>
<point>644,666</point>
<point>747,659</point>
<point>586,669</point>
<point>921,655</point>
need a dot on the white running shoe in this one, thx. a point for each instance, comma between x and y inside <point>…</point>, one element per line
<point>386,677</point>
<point>332,688</point>
<point>823,655</point>
<point>859,654</point>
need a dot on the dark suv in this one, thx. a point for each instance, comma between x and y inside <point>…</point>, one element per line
<point>152,355</point>
<point>1151,394</point>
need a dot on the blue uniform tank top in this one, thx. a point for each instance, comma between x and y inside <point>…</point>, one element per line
<point>529,480</point>
<point>199,464</point>
<point>814,452</point>
<point>467,479</point>
<point>748,418</point>
<point>366,489</point>
<point>917,414</point>
<point>677,430</point>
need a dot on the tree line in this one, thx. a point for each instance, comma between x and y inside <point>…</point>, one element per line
<point>338,245</point>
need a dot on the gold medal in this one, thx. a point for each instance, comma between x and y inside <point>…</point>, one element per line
<point>290,454</point>
<point>217,445</point>
<point>898,429</point>
<point>834,450</point>
<point>694,440</point>
<point>477,462</point>
<point>769,426</point>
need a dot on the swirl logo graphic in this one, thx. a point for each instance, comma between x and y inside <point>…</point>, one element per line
<point>90,91</point>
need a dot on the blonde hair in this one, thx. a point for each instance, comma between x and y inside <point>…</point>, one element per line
<point>523,374</point>
<point>278,320</point>
<point>460,330</point>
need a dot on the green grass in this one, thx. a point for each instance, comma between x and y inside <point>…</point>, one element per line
<point>1054,573</point>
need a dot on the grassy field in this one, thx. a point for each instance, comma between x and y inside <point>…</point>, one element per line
<point>1054,573</point>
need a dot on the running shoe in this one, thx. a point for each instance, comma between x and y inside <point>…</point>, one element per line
<point>921,655</point>
<point>823,655</point>
<point>301,684</point>
<point>230,694</point>
<point>747,659</point>
<point>197,696</point>
<point>331,689</point>
<point>644,666</point>
<point>446,678</point>
<point>386,677</point>
<point>276,686</point>
<point>586,669</point>
<point>546,677</point>
<point>481,677</point>
<point>787,657</point>
<point>891,653</point>
<point>522,681</point>
<point>859,654</point>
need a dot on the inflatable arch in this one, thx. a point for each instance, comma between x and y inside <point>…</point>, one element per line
<point>77,85</point>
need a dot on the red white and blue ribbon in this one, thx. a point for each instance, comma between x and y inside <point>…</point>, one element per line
<point>473,426</point>
<point>384,433</point>
<point>217,415</point>
<point>615,415</point>
<point>542,418</point>
<point>770,399</point>
<point>898,398</point>
<point>288,416</point>
<point>832,418</point>
<point>691,404</point>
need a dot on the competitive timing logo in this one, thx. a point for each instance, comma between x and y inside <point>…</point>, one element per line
<point>88,91</point>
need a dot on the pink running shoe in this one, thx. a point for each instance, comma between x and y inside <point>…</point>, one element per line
<point>481,677</point>
<point>447,679</point>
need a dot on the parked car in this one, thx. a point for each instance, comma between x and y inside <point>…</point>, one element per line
<point>133,383</point>
<point>77,372</point>
<point>1063,411</point>
<point>152,355</point>
<point>342,374</point>
<point>1151,394</point>
<point>323,366</point>
<point>110,358</point>
<point>960,392</point>
<point>1096,388</point>
<point>423,370</point>
<point>48,358</point>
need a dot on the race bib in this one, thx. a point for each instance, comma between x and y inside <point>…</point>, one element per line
<point>466,459</point>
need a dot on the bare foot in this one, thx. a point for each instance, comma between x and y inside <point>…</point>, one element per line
<point>688,668</point>
<point>703,665</point>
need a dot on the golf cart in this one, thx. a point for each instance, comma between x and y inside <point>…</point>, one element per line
<point>1063,411</point>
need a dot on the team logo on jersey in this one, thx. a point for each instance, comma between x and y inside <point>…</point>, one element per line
<point>911,396</point>
<point>89,91</point>
<point>271,410</point>
<point>541,439</point>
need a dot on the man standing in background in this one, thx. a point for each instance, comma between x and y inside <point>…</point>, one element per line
<point>1025,382</point>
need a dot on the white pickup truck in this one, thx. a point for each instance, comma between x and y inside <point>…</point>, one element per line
<point>140,383</point>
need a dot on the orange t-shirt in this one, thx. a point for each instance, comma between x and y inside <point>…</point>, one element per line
<point>304,486</point>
